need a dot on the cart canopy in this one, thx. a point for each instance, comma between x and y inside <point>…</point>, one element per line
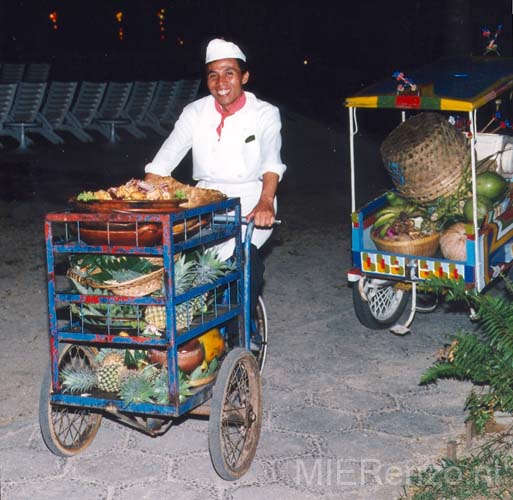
<point>450,84</point>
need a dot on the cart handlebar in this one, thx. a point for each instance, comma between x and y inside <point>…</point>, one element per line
<point>231,218</point>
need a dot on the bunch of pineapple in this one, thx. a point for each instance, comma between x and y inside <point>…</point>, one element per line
<point>205,268</point>
<point>107,374</point>
<point>144,383</point>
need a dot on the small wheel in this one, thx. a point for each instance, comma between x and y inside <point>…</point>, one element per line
<point>259,334</point>
<point>66,430</point>
<point>235,415</point>
<point>384,306</point>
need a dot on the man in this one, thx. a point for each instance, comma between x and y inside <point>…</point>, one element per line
<point>235,140</point>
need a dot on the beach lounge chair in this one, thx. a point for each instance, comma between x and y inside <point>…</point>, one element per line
<point>7,92</point>
<point>12,72</point>
<point>160,107</point>
<point>56,104</point>
<point>137,107</point>
<point>37,72</point>
<point>22,116</point>
<point>186,92</point>
<point>83,110</point>
<point>109,114</point>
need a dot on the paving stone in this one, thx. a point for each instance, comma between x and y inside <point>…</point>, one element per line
<point>174,441</point>
<point>436,403</point>
<point>198,470</point>
<point>352,400</point>
<point>61,488</point>
<point>163,490</point>
<point>313,420</point>
<point>364,445</point>
<point>407,424</point>
<point>271,491</point>
<point>24,464</point>
<point>123,466</point>
<point>280,443</point>
<point>326,475</point>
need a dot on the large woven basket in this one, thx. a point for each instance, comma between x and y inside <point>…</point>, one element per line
<point>425,247</point>
<point>426,157</point>
<point>138,287</point>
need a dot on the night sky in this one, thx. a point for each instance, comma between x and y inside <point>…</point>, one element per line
<point>309,53</point>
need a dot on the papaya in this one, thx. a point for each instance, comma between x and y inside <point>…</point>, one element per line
<point>491,185</point>
<point>213,344</point>
<point>484,205</point>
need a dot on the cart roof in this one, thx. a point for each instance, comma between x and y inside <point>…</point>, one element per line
<point>451,84</point>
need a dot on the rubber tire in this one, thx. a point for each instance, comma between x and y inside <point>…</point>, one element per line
<point>47,413</point>
<point>366,316</point>
<point>259,326</point>
<point>217,439</point>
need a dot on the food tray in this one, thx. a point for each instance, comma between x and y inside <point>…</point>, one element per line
<point>132,206</point>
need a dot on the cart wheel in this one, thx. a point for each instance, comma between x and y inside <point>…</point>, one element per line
<point>235,415</point>
<point>259,334</point>
<point>67,431</point>
<point>384,306</point>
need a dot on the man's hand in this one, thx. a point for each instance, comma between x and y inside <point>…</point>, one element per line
<point>263,213</point>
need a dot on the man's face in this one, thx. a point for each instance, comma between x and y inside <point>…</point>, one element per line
<point>225,81</point>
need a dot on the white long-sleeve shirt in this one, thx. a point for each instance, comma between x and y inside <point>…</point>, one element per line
<point>235,161</point>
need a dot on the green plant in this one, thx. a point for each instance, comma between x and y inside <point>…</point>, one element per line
<point>484,357</point>
<point>487,475</point>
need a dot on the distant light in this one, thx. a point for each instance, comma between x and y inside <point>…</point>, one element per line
<point>119,19</point>
<point>305,62</point>
<point>53,18</point>
<point>181,42</point>
<point>161,15</point>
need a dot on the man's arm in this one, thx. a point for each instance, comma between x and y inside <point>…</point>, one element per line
<point>263,213</point>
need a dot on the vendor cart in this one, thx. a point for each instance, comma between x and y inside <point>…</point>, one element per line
<point>456,88</point>
<point>157,379</point>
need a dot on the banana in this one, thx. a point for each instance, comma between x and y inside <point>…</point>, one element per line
<point>384,219</point>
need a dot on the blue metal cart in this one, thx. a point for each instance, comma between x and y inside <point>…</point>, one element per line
<point>69,420</point>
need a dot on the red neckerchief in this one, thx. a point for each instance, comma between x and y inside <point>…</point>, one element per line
<point>234,107</point>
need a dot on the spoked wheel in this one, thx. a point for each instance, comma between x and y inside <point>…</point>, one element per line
<point>235,415</point>
<point>385,303</point>
<point>66,430</point>
<point>259,334</point>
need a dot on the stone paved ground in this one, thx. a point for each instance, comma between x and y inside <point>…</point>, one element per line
<point>344,416</point>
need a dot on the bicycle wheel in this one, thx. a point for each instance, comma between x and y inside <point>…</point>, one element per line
<point>235,415</point>
<point>258,344</point>
<point>384,306</point>
<point>66,430</point>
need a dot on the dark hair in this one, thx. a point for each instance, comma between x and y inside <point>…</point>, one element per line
<point>243,65</point>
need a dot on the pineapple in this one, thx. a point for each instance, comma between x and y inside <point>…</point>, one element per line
<point>110,369</point>
<point>205,269</point>
<point>208,268</point>
<point>143,386</point>
<point>78,379</point>
<point>136,388</point>
<point>156,315</point>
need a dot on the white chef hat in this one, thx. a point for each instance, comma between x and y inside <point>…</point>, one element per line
<point>221,49</point>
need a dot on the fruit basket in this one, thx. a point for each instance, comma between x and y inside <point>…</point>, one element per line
<point>426,157</point>
<point>426,246</point>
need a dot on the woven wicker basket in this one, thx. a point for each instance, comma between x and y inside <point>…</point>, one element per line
<point>425,247</point>
<point>426,157</point>
<point>138,287</point>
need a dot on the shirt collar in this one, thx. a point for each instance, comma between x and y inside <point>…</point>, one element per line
<point>236,105</point>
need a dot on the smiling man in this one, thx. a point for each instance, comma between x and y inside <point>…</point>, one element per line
<point>235,139</point>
